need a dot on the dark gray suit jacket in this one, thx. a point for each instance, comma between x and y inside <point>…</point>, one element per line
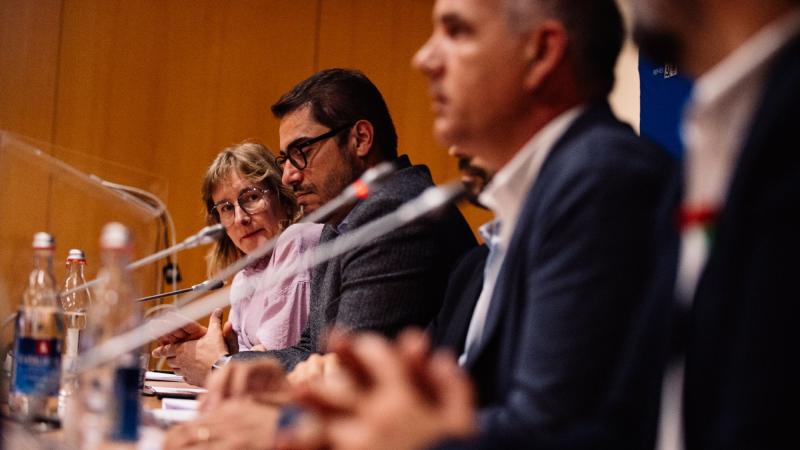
<point>572,352</point>
<point>386,285</point>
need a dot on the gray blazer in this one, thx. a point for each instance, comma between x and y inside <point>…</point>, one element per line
<point>386,285</point>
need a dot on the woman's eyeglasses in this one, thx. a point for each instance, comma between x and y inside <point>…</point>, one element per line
<point>252,201</point>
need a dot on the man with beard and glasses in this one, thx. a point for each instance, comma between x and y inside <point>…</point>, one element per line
<point>739,219</point>
<point>334,126</point>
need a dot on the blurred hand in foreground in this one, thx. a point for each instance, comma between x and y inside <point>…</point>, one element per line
<point>316,369</point>
<point>262,381</point>
<point>236,424</point>
<point>385,396</point>
<point>193,358</point>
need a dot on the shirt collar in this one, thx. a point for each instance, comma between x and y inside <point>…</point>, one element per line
<point>510,185</point>
<point>490,231</point>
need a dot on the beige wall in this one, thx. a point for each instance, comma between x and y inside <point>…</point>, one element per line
<point>161,86</point>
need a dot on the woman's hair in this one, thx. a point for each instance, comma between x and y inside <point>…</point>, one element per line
<point>256,164</point>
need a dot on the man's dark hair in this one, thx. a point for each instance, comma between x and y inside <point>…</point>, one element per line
<point>341,96</point>
<point>595,29</point>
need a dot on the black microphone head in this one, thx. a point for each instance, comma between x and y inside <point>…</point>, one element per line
<point>215,285</point>
<point>206,235</point>
<point>214,232</point>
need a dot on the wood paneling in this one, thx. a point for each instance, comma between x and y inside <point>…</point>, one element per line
<point>29,39</point>
<point>29,33</point>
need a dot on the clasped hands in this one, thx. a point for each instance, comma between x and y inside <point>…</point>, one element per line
<point>192,349</point>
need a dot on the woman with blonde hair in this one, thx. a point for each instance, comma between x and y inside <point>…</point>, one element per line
<point>242,190</point>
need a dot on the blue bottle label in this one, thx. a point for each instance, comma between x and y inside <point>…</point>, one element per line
<point>127,398</point>
<point>37,368</point>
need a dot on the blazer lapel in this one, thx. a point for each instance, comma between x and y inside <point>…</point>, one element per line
<point>504,291</point>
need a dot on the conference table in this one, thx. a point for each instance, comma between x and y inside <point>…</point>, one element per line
<point>164,403</point>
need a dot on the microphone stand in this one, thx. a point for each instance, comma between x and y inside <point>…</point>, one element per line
<point>207,285</point>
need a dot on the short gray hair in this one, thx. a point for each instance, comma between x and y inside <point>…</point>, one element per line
<point>595,30</point>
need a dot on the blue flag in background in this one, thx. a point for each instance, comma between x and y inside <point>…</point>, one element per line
<point>663,94</point>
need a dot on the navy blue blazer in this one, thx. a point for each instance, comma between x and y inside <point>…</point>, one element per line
<point>741,387</point>
<point>573,348</point>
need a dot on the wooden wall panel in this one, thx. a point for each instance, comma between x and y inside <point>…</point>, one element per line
<point>380,38</point>
<point>29,33</point>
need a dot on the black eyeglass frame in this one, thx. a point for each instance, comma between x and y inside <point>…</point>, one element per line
<point>265,192</point>
<point>296,153</point>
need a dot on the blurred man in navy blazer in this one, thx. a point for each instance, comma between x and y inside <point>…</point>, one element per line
<point>561,345</point>
<point>739,217</point>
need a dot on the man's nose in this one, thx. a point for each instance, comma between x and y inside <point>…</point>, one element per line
<point>426,59</point>
<point>291,175</point>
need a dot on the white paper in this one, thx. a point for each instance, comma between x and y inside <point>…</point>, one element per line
<point>162,376</point>
<point>170,416</point>
<point>162,390</point>
<point>179,403</point>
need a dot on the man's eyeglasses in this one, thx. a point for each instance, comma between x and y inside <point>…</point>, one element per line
<point>252,201</point>
<point>297,152</point>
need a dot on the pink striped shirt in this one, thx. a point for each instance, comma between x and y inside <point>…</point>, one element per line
<point>274,314</point>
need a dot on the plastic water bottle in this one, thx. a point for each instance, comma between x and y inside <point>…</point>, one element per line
<point>38,342</point>
<point>75,305</point>
<point>109,396</point>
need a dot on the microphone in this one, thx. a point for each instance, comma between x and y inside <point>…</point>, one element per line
<point>208,285</point>
<point>205,236</point>
<point>430,200</point>
<point>360,189</point>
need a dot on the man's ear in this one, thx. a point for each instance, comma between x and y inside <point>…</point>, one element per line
<point>363,133</point>
<point>544,51</point>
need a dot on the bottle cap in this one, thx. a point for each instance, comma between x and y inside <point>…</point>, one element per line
<point>43,241</point>
<point>76,254</point>
<point>115,236</point>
